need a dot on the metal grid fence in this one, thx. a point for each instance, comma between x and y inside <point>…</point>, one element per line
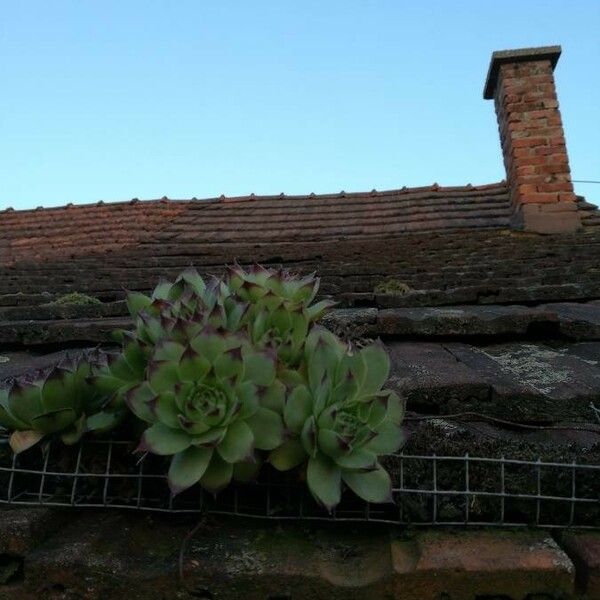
<point>427,490</point>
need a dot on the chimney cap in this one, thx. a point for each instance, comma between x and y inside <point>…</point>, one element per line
<point>501,57</point>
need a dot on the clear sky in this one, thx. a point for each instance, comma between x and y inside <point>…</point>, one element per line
<point>119,99</point>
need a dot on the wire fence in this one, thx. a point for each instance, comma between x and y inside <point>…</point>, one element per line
<point>427,490</point>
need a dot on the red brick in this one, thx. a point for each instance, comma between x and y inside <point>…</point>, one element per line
<point>522,152</point>
<point>527,188</point>
<point>525,107</point>
<point>435,565</point>
<point>558,159</point>
<point>556,187</point>
<point>533,160</point>
<point>538,114</point>
<point>550,103</point>
<point>553,170</point>
<point>544,150</point>
<point>584,551</point>
<point>528,142</point>
<point>528,170</point>
<point>568,197</point>
<point>540,197</point>
<point>535,95</point>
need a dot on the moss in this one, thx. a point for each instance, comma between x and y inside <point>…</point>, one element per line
<point>75,298</point>
<point>393,287</point>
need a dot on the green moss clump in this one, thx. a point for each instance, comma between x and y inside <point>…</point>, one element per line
<point>392,286</point>
<point>75,298</point>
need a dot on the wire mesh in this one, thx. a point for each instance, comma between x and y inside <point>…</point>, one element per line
<point>427,490</point>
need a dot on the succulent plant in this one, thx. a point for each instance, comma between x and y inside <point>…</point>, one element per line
<point>59,400</point>
<point>202,399</point>
<point>340,420</point>
<point>120,371</point>
<point>280,313</point>
<point>180,309</point>
<point>273,306</point>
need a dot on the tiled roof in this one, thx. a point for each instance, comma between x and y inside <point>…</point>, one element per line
<point>69,231</point>
<point>343,215</point>
<point>46,234</point>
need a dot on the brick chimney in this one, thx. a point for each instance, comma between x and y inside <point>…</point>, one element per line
<point>521,82</point>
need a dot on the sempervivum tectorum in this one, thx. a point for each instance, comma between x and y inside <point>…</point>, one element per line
<point>281,310</point>
<point>59,400</point>
<point>339,421</point>
<point>202,400</point>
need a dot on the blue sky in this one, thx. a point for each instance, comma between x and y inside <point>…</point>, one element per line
<point>119,99</point>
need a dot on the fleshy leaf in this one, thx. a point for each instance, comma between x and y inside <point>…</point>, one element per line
<point>317,310</point>
<point>229,365</point>
<point>374,486</point>
<point>248,470</point>
<point>22,440</point>
<point>297,408</point>
<point>218,475</point>
<point>289,455</point>
<point>161,291</point>
<point>324,354</point>
<point>324,481</point>
<point>308,436</point>
<point>359,459</point>
<point>135,356</point>
<point>137,301</point>
<point>162,440</point>
<point>389,439</point>
<point>187,467</point>
<point>396,407</point>
<point>237,444</point>
<point>259,368</point>
<point>247,394</point>
<point>7,419</point>
<point>139,400</point>
<point>166,410</point>
<point>332,443</point>
<point>163,375</point>
<point>209,345</point>
<point>193,366</point>
<point>74,433</point>
<point>25,402</point>
<point>210,438</point>
<point>167,350</point>
<point>103,421</point>
<point>191,276</point>
<point>267,427</point>
<point>51,422</point>
<point>57,394</point>
<point>273,397</point>
<point>377,368</point>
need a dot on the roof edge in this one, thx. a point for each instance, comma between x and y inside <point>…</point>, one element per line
<point>342,194</point>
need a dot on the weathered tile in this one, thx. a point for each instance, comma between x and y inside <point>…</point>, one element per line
<point>483,564</point>
<point>431,378</point>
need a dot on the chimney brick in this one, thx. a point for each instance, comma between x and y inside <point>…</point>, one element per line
<point>521,82</point>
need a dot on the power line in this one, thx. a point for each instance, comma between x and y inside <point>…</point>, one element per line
<point>584,181</point>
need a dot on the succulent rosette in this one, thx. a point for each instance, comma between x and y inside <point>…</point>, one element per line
<point>280,307</point>
<point>339,421</point>
<point>202,399</point>
<point>181,309</point>
<point>59,400</point>
<point>175,311</point>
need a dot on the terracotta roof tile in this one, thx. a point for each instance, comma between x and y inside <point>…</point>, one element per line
<point>70,231</point>
<point>57,234</point>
